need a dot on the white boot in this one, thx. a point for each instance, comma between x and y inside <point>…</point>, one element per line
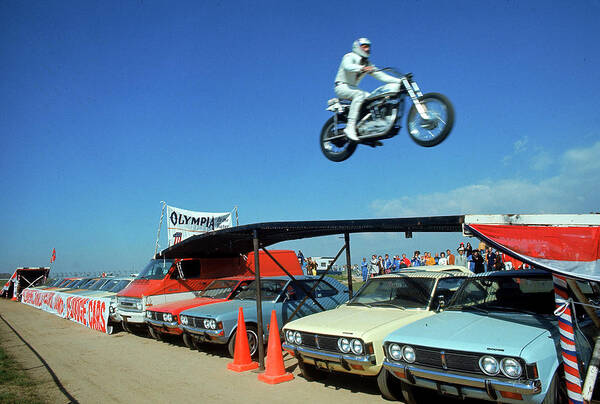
<point>350,131</point>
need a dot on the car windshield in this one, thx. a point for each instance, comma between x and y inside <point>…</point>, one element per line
<point>533,295</point>
<point>107,285</point>
<point>270,289</point>
<point>156,269</point>
<point>402,292</point>
<point>120,285</point>
<point>219,289</point>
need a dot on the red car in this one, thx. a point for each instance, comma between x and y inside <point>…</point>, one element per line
<point>164,318</point>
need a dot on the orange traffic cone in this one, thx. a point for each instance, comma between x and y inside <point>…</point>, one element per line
<point>242,360</point>
<point>275,369</point>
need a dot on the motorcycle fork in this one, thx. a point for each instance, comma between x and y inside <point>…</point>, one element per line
<point>415,93</point>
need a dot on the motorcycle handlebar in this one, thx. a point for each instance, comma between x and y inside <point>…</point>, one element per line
<point>395,72</point>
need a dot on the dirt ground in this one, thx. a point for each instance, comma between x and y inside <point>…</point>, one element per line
<point>123,368</point>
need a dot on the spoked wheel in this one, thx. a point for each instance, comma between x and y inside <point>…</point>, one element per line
<point>334,144</point>
<point>433,131</point>
<point>252,341</point>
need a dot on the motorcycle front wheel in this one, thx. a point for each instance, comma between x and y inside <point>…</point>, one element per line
<point>433,131</point>
<point>334,144</point>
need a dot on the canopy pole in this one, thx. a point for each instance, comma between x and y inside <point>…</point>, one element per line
<point>259,320</point>
<point>592,373</point>
<point>348,264</point>
<point>162,215</point>
<point>567,339</point>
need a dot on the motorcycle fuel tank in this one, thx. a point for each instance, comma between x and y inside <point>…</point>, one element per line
<point>386,89</point>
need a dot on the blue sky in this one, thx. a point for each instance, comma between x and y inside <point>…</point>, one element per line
<point>108,108</point>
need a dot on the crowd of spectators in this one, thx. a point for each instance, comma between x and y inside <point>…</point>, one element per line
<point>477,260</point>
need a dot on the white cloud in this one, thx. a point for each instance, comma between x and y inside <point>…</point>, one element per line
<point>572,189</point>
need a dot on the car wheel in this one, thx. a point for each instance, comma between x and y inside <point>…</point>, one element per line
<point>252,334</point>
<point>125,327</point>
<point>389,385</point>
<point>155,334</point>
<point>189,342</point>
<point>310,372</point>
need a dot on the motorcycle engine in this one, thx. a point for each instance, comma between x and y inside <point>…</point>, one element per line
<point>381,115</point>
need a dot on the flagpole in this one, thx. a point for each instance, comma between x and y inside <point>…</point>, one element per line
<point>162,214</point>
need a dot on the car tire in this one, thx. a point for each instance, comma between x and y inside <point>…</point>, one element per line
<point>125,327</point>
<point>389,386</point>
<point>310,372</point>
<point>189,342</point>
<point>110,329</point>
<point>155,334</point>
<point>252,341</point>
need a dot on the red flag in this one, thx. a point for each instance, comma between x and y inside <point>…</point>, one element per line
<point>53,258</point>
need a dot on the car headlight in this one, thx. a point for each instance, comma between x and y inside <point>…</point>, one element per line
<point>344,345</point>
<point>148,314</point>
<point>168,317</point>
<point>395,352</point>
<point>139,305</point>
<point>297,338</point>
<point>289,336</point>
<point>489,365</point>
<point>408,353</point>
<point>511,368</point>
<point>111,309</point>
<point>206,323</point>
<point>356,346</point>
<point>213,324</point>
<point>184,320</point>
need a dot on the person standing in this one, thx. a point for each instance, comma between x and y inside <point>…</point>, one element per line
<point>387,264</point>
<point>416,260</point>
<point>468,250</point>
<point>364,269</point>
<point>489,259</point>
<point>450,257</point>
<point>442,260</point>
<point>405,261</point>
<point>461,259</point>
<point>374,267</point>
<point>478,266</point>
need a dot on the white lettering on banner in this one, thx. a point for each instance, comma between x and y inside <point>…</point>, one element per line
<point>186,223</point>
<point>90,312</point>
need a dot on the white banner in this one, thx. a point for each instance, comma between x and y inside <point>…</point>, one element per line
<point>90,312</point>
<point>186,223</point>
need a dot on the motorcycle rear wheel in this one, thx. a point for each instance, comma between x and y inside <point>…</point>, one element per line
<point>432,132</point>
<point>340,148</point>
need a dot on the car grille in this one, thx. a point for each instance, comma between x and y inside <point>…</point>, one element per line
<point>129,304</point>
<point>322,342</point>
<point>155,315</point>
<point>454,360</point>
<point>196,322</point>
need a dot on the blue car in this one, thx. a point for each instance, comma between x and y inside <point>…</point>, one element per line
<point>497,340</point>
<point>217,323</point>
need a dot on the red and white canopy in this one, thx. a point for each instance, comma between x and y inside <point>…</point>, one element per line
<point>566,244</point>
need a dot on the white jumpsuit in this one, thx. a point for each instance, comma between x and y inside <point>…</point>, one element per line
<point>349,75</point>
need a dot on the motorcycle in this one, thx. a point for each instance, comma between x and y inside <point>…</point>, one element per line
<point>429,120</point>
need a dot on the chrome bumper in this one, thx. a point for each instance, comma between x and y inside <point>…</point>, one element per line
<point>367,360</point>
<point>162,323</point>
<point>214,334</point>
<point>411,372</point>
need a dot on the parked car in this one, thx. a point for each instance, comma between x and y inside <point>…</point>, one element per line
<point>169,280</point>
<point>349,339</point>
<point>164,318</point>
<point>497,340</point>
<point>217,323</point>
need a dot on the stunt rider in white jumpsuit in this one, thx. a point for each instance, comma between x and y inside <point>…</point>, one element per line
<point>353,68</point>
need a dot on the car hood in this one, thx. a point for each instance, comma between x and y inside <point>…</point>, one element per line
<point>180,305</point>
<point>221,309</point>
<point>506,333</point>
<point>357,321</point>
<point>143,287</point>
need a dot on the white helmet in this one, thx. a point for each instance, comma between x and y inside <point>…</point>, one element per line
<point>358,50</point>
